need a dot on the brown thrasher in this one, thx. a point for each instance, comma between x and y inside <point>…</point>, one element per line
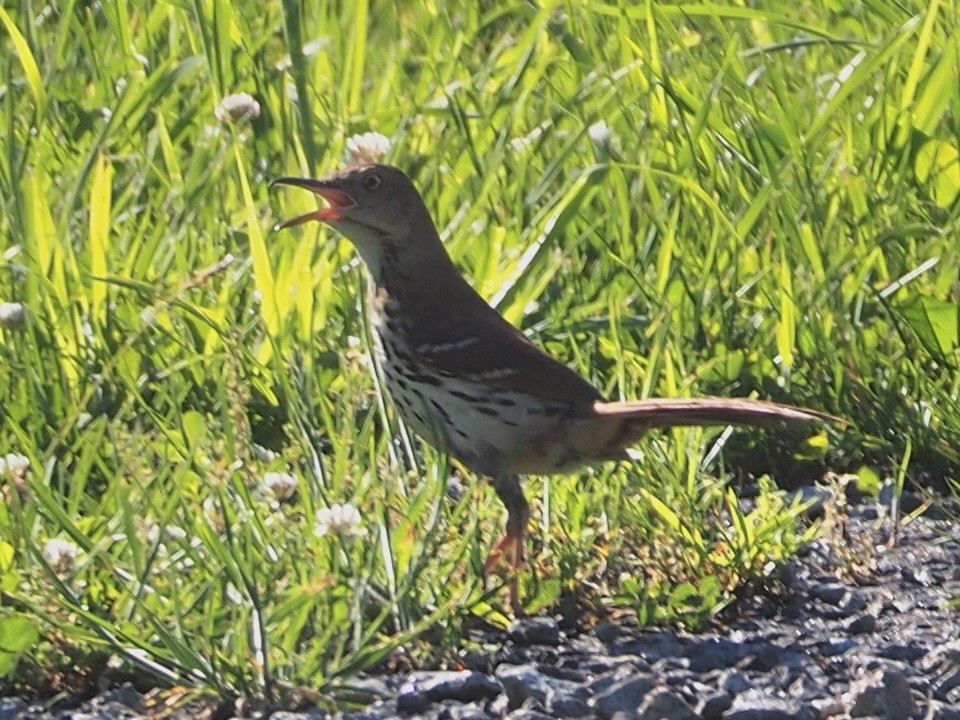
<point>469,382</point>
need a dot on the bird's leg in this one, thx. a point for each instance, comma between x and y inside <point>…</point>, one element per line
<point>518,514</point>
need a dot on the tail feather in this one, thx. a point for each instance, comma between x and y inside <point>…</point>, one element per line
<point>612,427</point>
<point>669,412</point>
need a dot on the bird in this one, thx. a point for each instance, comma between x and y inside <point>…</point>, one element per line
<point>470,383</point>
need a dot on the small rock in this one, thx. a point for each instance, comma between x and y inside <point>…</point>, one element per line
<point>368,714</point>
<point>947,652</point>
<point>521,682</point>
<point>885,693</point>
<point>606,681</point>
<point>12,708</point>
<point>411,701</point>
<point>735,682</point>
<point>372,713</point>
<point>464,686</point>
<point>828,707</point>
<point>918,576</point>
<point>368,687</point>
<point>713,706</point>
<point>499,706</point>
<point>559,705</point>
<point>609,632</point>
<point>755,705</point>
<point>624,696</point>
<point>602,663</point>
<point>106,711</point>
<point>665,704</point>
<point>125,694</point>
<point>941,711</point>
<point>525,714</point>
<point>535,631</point>
<point>903,653</point>
<point>564,672</point>
<point>836,646</point>
<point>450,710</point>
<point>862,624</point>
<point>831,593</point>
<point>856,602</point>
<point>946,686</point>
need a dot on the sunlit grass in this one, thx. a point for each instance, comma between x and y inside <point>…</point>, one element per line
<point>676,199</point>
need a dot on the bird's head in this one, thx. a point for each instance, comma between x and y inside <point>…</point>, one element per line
<point>369,204</point>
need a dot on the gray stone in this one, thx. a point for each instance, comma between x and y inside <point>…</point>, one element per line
<point>827,707</point>
<point>525,714</point>
<point>12,708</point>
<point>463,685</point>
<point>885,693</point>
<point>831,593</point>
<point>942,711</point>
<point>624,696</point>
<point>945,686</point>
<point>411,701</point>
<point>108,711</point>
<point>665,704</point>
<point>535,631</point>
<point>756,705</point>
<point>560,705</point>
<point>862,624</point>
<point>735,682</point>
<point>713,706</point>
<point>125,694</point>
<point>521,682</point>
<point>908,653</point>
<point>368,714</point>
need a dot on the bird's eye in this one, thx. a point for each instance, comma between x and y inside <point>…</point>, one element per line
<point>372,182</point>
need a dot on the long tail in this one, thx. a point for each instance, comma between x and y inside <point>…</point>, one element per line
<point>612,427</point>
<point>663,412</point>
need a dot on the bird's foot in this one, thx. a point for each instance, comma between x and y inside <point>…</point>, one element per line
<point>513,546</point>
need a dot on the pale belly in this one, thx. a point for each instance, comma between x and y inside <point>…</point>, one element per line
<point>492,431</point>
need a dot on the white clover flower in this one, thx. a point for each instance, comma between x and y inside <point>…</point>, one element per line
<point>342,520</point>
<point>237,108</point>
<point>170,532</point>
<point>603,139</point>
<point>263,454</point>
<point>11,252</point>
<point>12,315</point>
<point>14,465</point>
<point>280,486</point>
<point>371,147</point>
<point>599,133</point>
<point>233,595</point>
<point>211,508</point>
<point>61,555</point>
<point>522,143</point>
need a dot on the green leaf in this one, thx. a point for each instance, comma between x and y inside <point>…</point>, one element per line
<point>27,61</point>
<point>938,166</point>
<point>935,322</point>
<point>18,634</point>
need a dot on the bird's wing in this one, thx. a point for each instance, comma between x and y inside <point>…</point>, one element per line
<point>484,348</point>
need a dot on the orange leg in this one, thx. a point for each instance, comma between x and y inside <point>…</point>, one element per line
<point>518,514</point>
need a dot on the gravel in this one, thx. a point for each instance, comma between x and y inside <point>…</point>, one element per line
<point>885,646</point>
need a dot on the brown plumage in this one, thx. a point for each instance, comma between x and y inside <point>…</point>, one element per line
<point>468,381</point>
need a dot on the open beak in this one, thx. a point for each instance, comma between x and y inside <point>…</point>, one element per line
<point>337,201</point>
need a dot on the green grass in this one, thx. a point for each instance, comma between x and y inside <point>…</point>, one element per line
<point>775,212</point>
